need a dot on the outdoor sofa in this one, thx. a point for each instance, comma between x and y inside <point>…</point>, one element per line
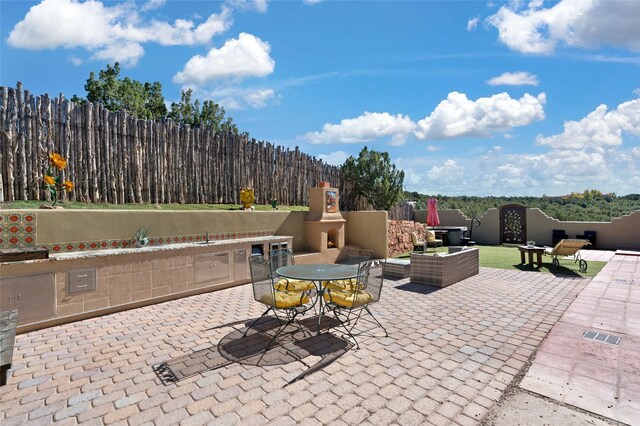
<point>441,270</point>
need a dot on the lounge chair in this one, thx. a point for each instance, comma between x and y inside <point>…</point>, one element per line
<point>432,241</point>
<point>569,247</point>
<point>418,245</point>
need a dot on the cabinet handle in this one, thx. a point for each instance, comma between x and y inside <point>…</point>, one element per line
<point>81,276</point>
<point>18,299</point>
<point>9,299</point>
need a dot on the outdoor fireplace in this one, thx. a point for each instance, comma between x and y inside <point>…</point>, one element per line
<point>324,225</point>
<point>332,238</point>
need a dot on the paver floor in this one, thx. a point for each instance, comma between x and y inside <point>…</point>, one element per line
<point>596,376</point>
<point>449,356</point>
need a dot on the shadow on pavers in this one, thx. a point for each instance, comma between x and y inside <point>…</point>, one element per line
<point>256,348</point>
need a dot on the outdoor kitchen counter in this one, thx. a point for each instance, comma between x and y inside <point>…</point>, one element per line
<point>78,285</point>
<point>151,249</point>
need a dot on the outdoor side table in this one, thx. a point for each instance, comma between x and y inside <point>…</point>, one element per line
<point>530,252</point>
<point>318,274</point>
<point>8,320</point>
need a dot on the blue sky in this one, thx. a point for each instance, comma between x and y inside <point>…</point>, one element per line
<point>468,97</point>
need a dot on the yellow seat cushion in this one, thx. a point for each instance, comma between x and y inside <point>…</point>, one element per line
<point>343,285</point>
<point>285,299</point>
<point>294,285</point>
<point>347,299</point>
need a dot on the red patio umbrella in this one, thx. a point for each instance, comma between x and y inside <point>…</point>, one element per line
<point>432,212</point>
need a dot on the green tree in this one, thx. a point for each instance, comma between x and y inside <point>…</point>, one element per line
<point>211,114</point>
<point>374,177</point>
<point>145,100</point>
<point>138,99</point>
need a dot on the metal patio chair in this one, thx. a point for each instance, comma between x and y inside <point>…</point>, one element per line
<point>349,304</point>
<point>356,256</point>
<point>284,257</point>
<point>285,305</point>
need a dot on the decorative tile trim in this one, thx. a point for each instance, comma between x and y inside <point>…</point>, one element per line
<point>17,230</point>
<point>153,241</point>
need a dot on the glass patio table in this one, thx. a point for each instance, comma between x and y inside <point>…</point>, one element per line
<point>319,273</point>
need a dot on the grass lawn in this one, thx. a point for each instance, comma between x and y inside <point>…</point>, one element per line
<point>505,257</point>
<point>186,207</point>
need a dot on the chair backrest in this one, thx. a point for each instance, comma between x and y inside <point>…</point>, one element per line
<point>414,238</point>
<point>568,247</point>
<point>431,236</point>
<point>280,258</point>
<point>370,278</point>
<point>557,235</point>
<point>359,255</point>
<point>261,277</point>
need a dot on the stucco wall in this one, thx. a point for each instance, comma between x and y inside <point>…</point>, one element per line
<point>620,233</point>
<point>55,226</point>
<point>364,229</point>
<point>487,233</point>
<point>367,230</point>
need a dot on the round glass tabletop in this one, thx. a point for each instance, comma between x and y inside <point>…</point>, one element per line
<point>319,272</point>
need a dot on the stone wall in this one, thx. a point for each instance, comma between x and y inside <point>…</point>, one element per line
<point>400,235</point>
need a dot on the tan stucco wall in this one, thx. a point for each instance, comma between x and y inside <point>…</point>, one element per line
<point>56,226</point>
<point>61,226</point>
<point>368,230</point>
<point>293,224</point>
<point>487,233</point>
<point>620,233</point>
<point>489,230</point>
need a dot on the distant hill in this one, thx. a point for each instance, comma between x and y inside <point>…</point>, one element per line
<point>571,207</point>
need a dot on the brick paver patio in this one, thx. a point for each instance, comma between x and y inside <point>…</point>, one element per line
<point>600,377</point>
<point>449,356</point>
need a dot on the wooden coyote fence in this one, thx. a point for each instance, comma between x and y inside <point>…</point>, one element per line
<point>116,158</point>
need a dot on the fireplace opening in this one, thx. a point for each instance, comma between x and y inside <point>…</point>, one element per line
<point>332,238</point>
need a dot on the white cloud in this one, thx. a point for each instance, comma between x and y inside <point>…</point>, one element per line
<point>126,53</point>
<point>251,5</point>
<point>104,30</point>
<point>433,148</point>
<point>365,128</point>
<point>336,158</point>
<point>636,91</point>
<point>472,23</point>
<point>246,56</point>
<point>449,172</point>
<point>259,98</point>
<point>458,116</point>
<point>596,160</point>
<point>75,60</point>
<point>238,98</point>
<point>311,2</point>
<point>152,5</point>
<point>576,23</point>
<point>599,130</point>
<point>519,78</point>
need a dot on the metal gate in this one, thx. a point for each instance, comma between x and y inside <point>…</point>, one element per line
<point>513,224</point>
